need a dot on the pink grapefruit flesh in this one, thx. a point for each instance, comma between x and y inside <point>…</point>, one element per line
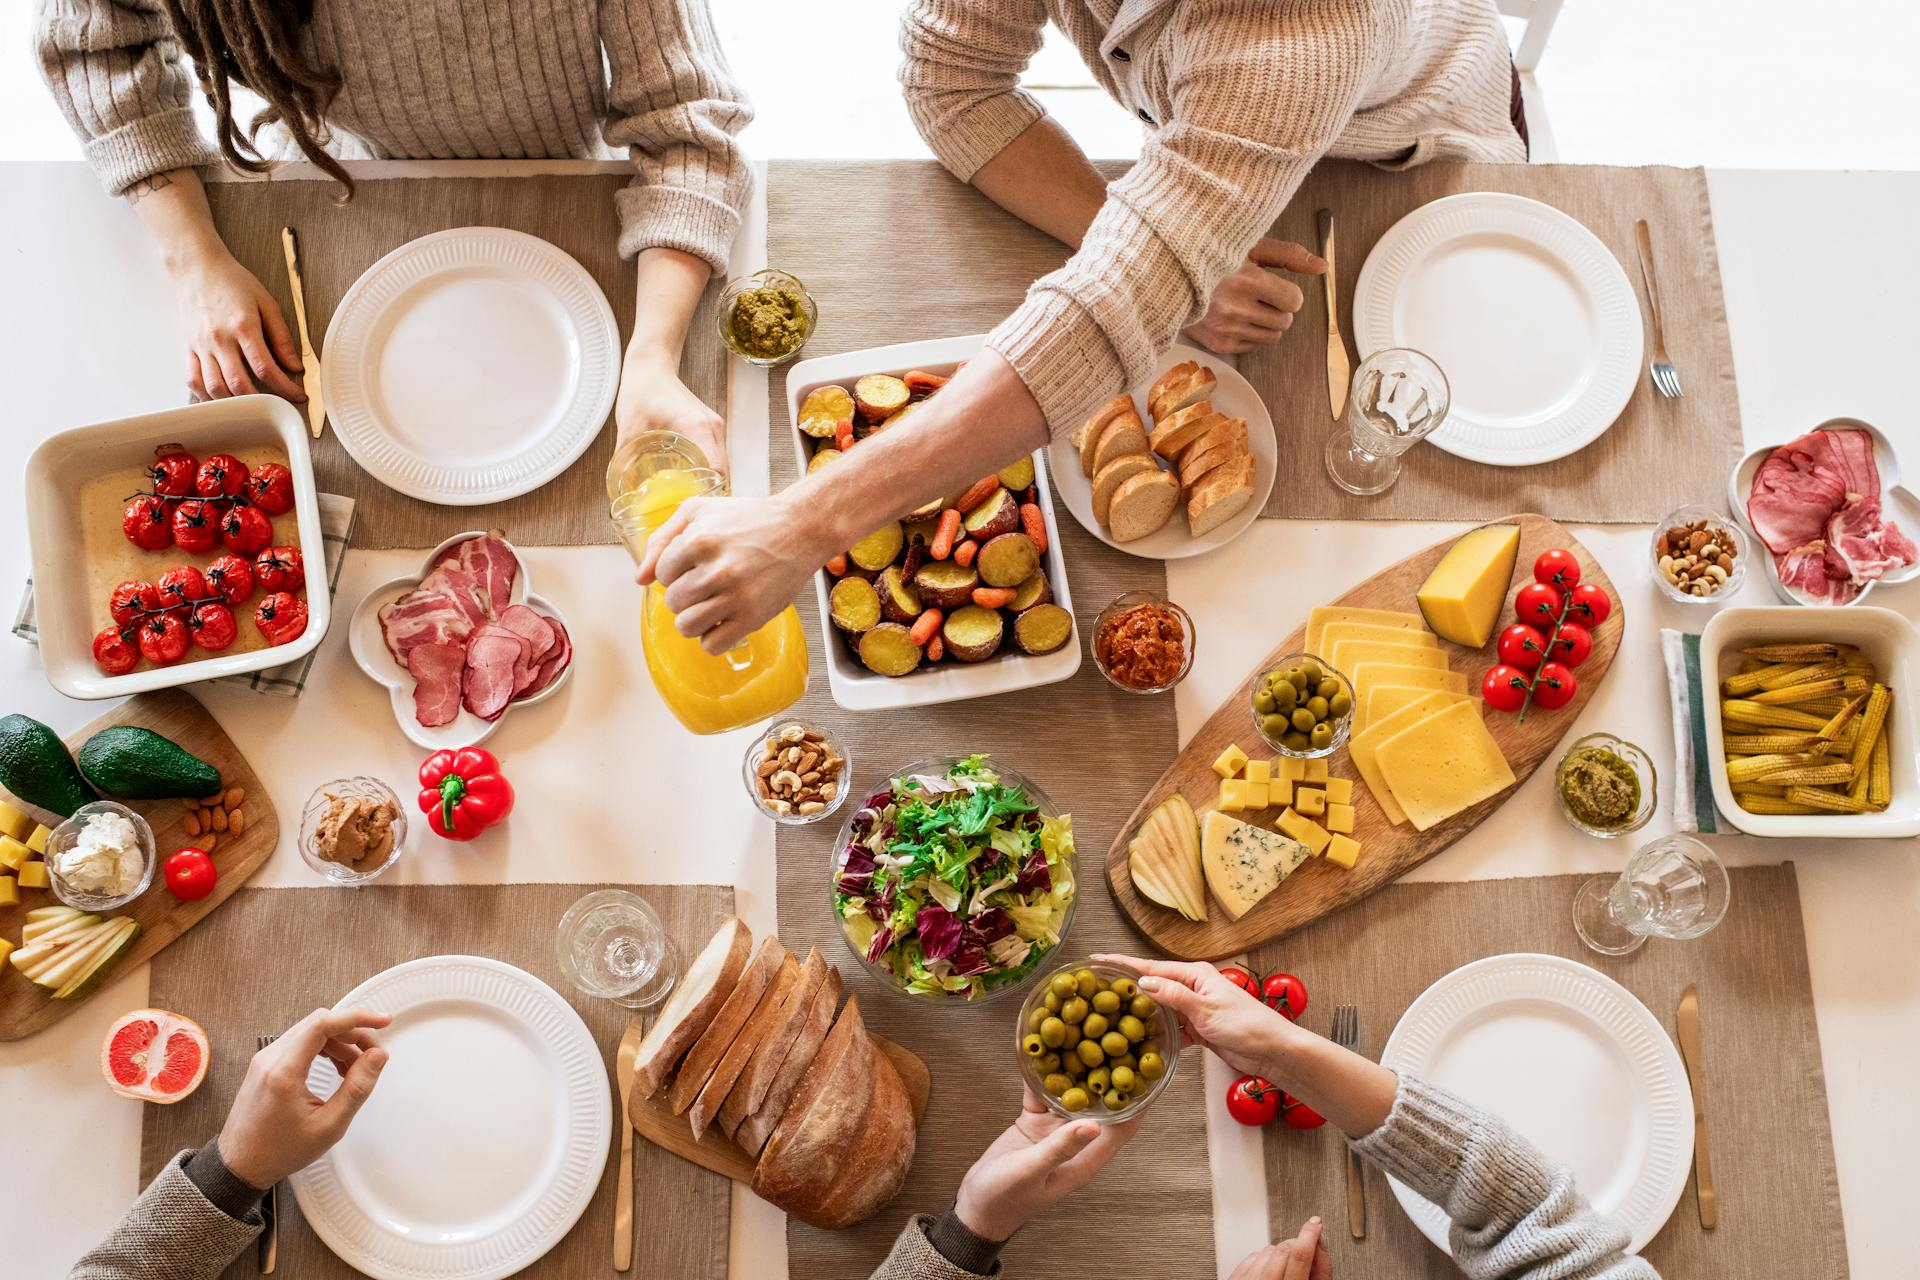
<point>155,1056</point>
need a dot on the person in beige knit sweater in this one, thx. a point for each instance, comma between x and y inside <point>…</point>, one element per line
<point>1240,98</point>
<point>460,79</point>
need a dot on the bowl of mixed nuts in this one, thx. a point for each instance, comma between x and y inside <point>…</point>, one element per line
<point>1698,556</point>
<point>797,773</point>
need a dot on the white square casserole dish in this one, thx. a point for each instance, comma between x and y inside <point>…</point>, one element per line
<point>852,685</point>
<point>1892,644</point>
<point>63,606</point>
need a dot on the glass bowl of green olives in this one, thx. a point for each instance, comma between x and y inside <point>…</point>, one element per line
<point>1092,1046</point>
<point>1303,707</point>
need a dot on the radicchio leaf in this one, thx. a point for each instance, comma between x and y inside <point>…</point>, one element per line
<point>882,940</point>
<point>857,874</point>
<point>971,959</point>
<point>989,926</point>
<point>939,930</point>
<point>1034,876</point>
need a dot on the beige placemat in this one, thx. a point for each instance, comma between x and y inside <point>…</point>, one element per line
<point>1766,1095</point>
<point>1093,748</point>
<point>1660,454</point>
<point>339,242</point>
<point>273,955</point>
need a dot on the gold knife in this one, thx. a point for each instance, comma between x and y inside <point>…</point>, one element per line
<point>1339,371</point>
<point>316,402</point>
<point>623,1201</point>
<point>1688,1020</point>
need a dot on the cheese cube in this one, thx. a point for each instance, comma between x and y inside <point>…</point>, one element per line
<point>12,852</point>
<point>1340,818</point>
<point>1305,830</point>
<point>38,840</point>
<point>9,894</point>
<point>1293,768</point>
<point>1316,769</point>
<point>33,875</point>
<point>1279,793</point>
<point>1233,795</point>
<point>5,948</point>
<point>1344,851</point>
<point>1256,794</point>
<point>1339,790</point>
<point>1231,761</point>
<point>14,823</point>
<point>1259,771</point>
<point>1243,864</point>
<point>1310,802</point>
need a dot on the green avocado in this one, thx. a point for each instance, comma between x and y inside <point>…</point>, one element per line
<point>35,765</point>
<point>139,764</point>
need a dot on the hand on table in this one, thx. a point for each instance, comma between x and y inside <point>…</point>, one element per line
<point>237,340</point>
<point>1252,307</point>
<point>1039,1161</point>
<point>729,564</point>
<point>277,1126</point>
<point>1213,1012</point>
<point>652,398</point>
<point>1304,1257</point>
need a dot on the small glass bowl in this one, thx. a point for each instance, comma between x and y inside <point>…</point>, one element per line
<point>369,788</point>
<point>1164,1029</point>
<point>756,754</point>
<point>765,278</point>
<point>1724,531</point>
<point>65,836</point>
<point>1643,772</point>
<point>1342,725</point>
<point>1122,603</point>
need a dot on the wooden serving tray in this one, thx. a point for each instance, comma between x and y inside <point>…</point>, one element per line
<point>1387,851</point>
<point>26,1008</point>
<point>654,1120</point>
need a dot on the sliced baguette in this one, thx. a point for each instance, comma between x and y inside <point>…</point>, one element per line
<point>1087,439</point>
<point>811,1144</point>
<point>878,1163</point>
<point>1227,431</point>
<point>713,1043</point>
<point>708,982</point>
<point>754,1130</point>
<point>1141,505</point>
<point>1180,386</point>
<point>1195,466</point>
<point>734,1061</point>
<point>1109,478</point>
<point>1179,430</point>
<point>1123,435</point>
<point>1219,497</point>
<point>751,1090</point>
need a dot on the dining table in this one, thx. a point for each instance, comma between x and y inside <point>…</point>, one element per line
<point>1819,271</point>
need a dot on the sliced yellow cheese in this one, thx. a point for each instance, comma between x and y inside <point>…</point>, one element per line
<point>38,840</point>
<point>1243,863</point>
<point>1233,795</point>
<point>1335,632</point>
<point>33,875</point>
<point>12,852</point>
<point>1362,745</point>
<point>1318,619</point>
<point>5,948</point>
<point>1310,801</point>
<point>9,894</point>
<point>1340,818</point>
<point>1260,772</point>
<point>1339,790</point>
<point>1305,830</point>
<point>1349,654</point>
<point>1316,770</point>
<point>1464,596</point>
<point>1444,764</point>
<point>1383,700</point>
<point>14,823</point>
<point>1371,675</point>
<point>1344,851</point>
<point>1231,761</point>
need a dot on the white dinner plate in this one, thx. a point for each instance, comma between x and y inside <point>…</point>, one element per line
<point>1530,317</point>
<point>1232,395</point>
<point>1574,1063</point>
<point>487,1134</point>
<point>470,366</point>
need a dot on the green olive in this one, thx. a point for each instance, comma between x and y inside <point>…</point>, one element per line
<point>1062,985</point>
<point>1071,1036</point>
<point>1074,1010</point>
<point>1295,741</point>
<point>1285,696</point>
<point>1038,1016</point>
<point>1143,1007</point>
<point>1053,1033</point>
<point>1317,705</point>
<point>1298,679</point>
<point>1303,719</point>
<point>1076,1099</point>
<point>1071,1064</point>
<point>1263,703</point>
<point>1106,1002</point>
<point>1049,1063</point>
<point>1126,1060</point>
<point>1126,988</point>
<point>1058,1083</point>
<point>1321,737</point>
<point>1031,1046</point>
<point>1133,1029</point>
<point>1091,1052</point>
<point>1115,1100</point>
<point>1096,1025</point>
<point>1152,1066</point>
<point>1311,670</point>
<point>1327,687</point>
<point>1340,704</point>
<point>1051,1002</point>
<point>1097,1080</point>
<point>1086,982</point>
<point>1273,726</point>
<point>1120,1078</point>
<point>1113,1044</point>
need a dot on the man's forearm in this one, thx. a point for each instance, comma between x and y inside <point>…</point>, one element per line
<point>173,206</point>
<point>1045,180</point>
<point>667,288</point>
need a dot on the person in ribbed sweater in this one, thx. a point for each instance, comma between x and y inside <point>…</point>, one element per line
<point>1240,98</point>
<point>457,79</point>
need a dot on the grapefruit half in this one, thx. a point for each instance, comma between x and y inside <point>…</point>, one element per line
<point>155,1056</point>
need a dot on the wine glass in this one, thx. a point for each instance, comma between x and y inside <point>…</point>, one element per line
<point>1399,398</point>
<point>610,944</point>
<point>1673,888</point>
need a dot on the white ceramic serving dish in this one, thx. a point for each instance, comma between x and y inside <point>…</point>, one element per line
<point>1894,647</point>
<point>369,649</point>
<point>64,607</point>
<point>1232,395</point>
<point>853,686</point>
<point>1898,502</point>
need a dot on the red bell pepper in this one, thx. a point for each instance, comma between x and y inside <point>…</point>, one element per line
<point>462,793</point>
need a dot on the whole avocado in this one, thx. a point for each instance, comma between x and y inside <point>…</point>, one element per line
<point>138,764</point>
<point>36,766</point>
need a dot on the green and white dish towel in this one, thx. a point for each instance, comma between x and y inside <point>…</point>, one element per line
<point>1693,808</point>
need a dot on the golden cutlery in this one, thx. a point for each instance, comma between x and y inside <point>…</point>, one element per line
<point>1346,1034</point>
<point>269,1247</point>
<point>623,1198</point>
<point>1339,370</point>
<point>316,401</point>
<point>1688,1021</point>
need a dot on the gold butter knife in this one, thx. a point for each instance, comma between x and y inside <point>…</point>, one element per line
<point>316,401</point>
<point>623,1199</point>
<point>1339,371</point>
<point>1688,1021</point>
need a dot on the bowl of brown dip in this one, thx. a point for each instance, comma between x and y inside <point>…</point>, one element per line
<point>352,829</point>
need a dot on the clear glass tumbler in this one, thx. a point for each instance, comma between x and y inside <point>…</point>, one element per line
<point>1672,888</point>
<point>1398,398</point>
<point>611,945</point>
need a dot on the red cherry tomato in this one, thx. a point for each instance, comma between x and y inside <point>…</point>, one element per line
<point>1504,688</point>
<point>145,523</point>
<point>114,653</point>
<point>1589,604</point>
<point>1573,643</point>
<point>190,874</point>
<point>231,577</point>
<point>270,488</point>
<point>182,587</point>
<point>246,530</point>
<point>1522,646</point>
<point>212,626</point>
<point>132,598</point>
<point>1555,687</point>
<point>1242,979</point>
<point>1298,1115</point>
<point>1537,604</point>
<point>1285,994</point>
<point>221,476</point>
<point>1252,1100</point>
<point>196,526</point>
<point>172,471</point>
<point>1557,568</point>
<point>281,618</point>
<point>163,638</point>
<point>280,569</point>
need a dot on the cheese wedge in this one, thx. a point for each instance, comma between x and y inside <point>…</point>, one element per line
<point>1444,764</point>
<point>1362,745</point>
<point>1462,598</point>
<point>1243,863</point>
<point>1334,632</point>
<point>1318,619</point>
<point>1383,700</point>
<point>1349,654</point>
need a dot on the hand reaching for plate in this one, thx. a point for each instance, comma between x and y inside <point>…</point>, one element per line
<point>1252,307</point>
<point>277,1126</point>
<point>1039,1161</point>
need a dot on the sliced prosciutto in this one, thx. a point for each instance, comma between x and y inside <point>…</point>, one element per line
<point>554,663</point>
<point>436,671</point>
<point>1868,545</point>
<point>1815,503</point>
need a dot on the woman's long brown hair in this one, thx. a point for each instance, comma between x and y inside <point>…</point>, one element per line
<point>252,43</point>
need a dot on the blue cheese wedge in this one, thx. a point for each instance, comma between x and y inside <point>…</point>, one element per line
<point>1245,863</point>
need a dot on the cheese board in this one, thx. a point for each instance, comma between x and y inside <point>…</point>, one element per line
<point>1314,886</point>
<point>26,1008</point>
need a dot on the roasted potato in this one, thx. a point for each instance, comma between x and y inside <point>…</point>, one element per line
<point>999,514</point>
<point>854,605</point>
<point>824,409</point>
<point>1008,560</point>
<point>889,650</point>
<point>1042,629</point>
<point>973,634</point>
<point>945,584</point>
<point>880,548</point>
<point>821,458</point>
<point>1018,475</point>
<point>899,602</point>
<point>879,396</point>
<point>1033,591</point>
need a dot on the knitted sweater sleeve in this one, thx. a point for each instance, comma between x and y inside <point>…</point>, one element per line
<point>673,101</point>
<point>1514,1213</point>
<point>960,75</point>
<point>175,1229</point>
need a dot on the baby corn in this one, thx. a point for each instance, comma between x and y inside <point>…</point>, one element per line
<point>1830,801</point>
<point>1805,728</point>
<point>1742,711</point>
<point>1880,773</point>
<point>1807,692</point>
<point>1795,652</point>
<point>1773,804</point>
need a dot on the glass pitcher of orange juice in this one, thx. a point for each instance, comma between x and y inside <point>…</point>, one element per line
<point>648,479</point>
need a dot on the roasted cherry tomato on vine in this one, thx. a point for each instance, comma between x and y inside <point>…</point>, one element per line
<point>1572,643</point>
<point>1522,646</point>
<point>1537,604</point>
<point>190,875</point>
<point>270,488</point>
<point>280,569</point>
<point>1252,1100</point>
<point>182,587</point>
<point>145,523</point>
<point>1554,687</point>
<point>463,793</point>
<point>196,526</point>
<point>246,530</point>
<point>221,476</point>
<point>172,471</point>
<point>1285,994</point>
<point>163,638</point>
<point>1504,688</point>
<point>1589,604</point>
<point>212,626</point>
<point>1298,1115</point>
<point>1242,979</point>
<point>281,618</point>
<point>132,598</point>
<point>115,654</point>
<point>231,577</point>
<point>1557,568</point>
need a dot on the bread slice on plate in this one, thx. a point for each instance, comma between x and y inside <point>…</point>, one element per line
<point>719,1035</point>
<point>1219,497</point>
<point>1230,431</point>
<point>1178,430</point>
<point>1108,479</point>
<point>1195,466</point>
<point>1087,438</point>
<point>1184,384</point>
<point>703,989</point>
<point>1141,505</point>
<point>1122,436</point>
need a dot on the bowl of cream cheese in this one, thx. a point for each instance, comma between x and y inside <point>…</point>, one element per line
<point>101,858</point>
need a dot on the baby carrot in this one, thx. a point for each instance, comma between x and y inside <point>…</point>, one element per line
<point>945,533</point>
<point>994,597</point>
<point>981,491</point>
<point>838,565</point>
<point>936,648</point>
<point>926,626</point>
<point>919,380</point>
<point>1034,525</point>
<point>843,434</point>
<point>965,552</point>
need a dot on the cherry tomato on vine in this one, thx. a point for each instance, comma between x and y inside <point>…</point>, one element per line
<point>196,526</point>
<point>1285,994</point>
<point>1522,646</point>
<point>246,530</point>
<point>114,652</point>
<point>270,486</point>
<point>1557,568</point>
<point>1589,604</point>
<point>181,587</point>
<point>1555,687</point>
<point>1298,1115</point>
<point>212,626</point>
<point>1242,979</point>
<point>221,476</point>
<point>1537,604</point>
<point>1504,688</point>
<point>1252,1100</point>
<point>1572,644</point>
<point>281,618</point>
<point>132,598</point>
<point>145,523</point>
<point>162,638</point>
<point>172,471</point>
<point>232,577</point>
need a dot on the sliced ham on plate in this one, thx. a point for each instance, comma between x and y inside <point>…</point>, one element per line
<point>494,655</point>
<point>436,671</point>
<point>555,662</point>
<point>1868,545</point>
<point>1815,503</point>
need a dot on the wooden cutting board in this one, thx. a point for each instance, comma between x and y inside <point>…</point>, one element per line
<point>176,714</point>
<point>1386,851</point>
<point>654,1120</point>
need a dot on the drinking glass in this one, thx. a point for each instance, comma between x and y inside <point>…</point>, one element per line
<point>611,945</point>
<point>1398,398</point>
<point>1672,888</point>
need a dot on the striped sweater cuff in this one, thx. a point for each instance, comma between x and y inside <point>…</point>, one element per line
<point>1433,1141</point>
<point>1062,355</point>
<point>152,144</point>
<point>676,218</point>
<point>965,140</point>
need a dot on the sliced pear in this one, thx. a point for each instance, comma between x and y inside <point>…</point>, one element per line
<point>61,912</point>
<point>58,931</point>
<point>85,982</point>
<point>1192,882</point>
<point>74,959</point>
<point>1147,874</point>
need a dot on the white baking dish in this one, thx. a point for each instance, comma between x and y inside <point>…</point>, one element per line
<point>1894,647</point>
<point>66,614</point>
<point>853,686</point>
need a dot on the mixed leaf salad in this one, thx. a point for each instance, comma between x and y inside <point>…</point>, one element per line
<point>954,883</point>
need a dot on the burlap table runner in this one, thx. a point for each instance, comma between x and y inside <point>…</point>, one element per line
<point>1766,1097</point>
<point>891,252</point>
<point>338,242</point>
<point>273,955</point>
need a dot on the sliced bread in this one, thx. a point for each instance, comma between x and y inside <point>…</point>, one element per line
<point>1141,505</point>
<point>753,1131</point>
<point>771,1052</point>
<point>1109,478</point>
<point>734,1061</point>
<point>1180,386</point>
<point>1122,436</point>
<point>1219,497</point>
<point>703,989</point>
<point>811,1145</point>
<point>1178,430</point>
<point>1195,466</point>
<point>1087,438</point>
<point>719,1035</point>
<point>1231,431</point>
